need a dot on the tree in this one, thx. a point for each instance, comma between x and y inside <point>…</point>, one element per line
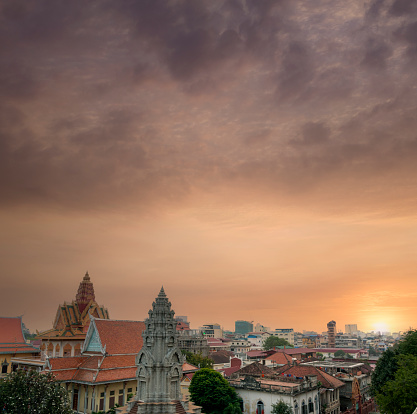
<point>399,395</point>
<point>273,341</point>
<point>281,408</point>
<point>198,360</point>
<point>320,356</point>
<point>28,392</point>
<point>340,354</point>
<point>213,393</point>
<point>385,369</point>
<point>387,365</point>
<point>408,345</point>
<point>372,351</point>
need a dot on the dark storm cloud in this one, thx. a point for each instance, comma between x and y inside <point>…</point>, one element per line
<point>151,99</point>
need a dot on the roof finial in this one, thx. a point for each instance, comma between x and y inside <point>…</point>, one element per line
<point>86,276</point>
<point>162,293</point>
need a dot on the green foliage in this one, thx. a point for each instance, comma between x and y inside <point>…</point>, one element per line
<point>281,408</point>
<point>198,360</point>
<point>408,345</point>
<point>399,395</point>
<point>273,341</point>
<point>384,370</point>
<point>394,376</point>
<point>372,351</point>
<point>29,392</point>
<point>340,354</point>
<point>320,356</point>
<point>213,393</point>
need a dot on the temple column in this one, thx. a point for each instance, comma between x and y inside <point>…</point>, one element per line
<point>72,350</point>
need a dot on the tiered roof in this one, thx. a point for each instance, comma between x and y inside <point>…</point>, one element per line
<point>12,340</point>
<point>108,354</point>
<point>72,319</point>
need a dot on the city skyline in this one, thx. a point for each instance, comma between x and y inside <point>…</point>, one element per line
<point>257,159</point>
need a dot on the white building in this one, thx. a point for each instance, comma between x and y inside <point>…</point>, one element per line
<point>259,394</point>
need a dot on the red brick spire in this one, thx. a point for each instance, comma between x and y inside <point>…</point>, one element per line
<point>85,293</point>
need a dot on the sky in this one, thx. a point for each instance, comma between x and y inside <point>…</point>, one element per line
<point>256,158</point>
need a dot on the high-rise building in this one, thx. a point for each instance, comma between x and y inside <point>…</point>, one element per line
<point>331,334</point>
<point>351,328</point>
<point>243,327</point>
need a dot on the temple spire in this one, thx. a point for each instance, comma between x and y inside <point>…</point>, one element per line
<point>85,293</point>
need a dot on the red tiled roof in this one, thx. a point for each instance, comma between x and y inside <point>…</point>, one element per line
<point>120,337</point>
<point>221,357</point>
<point>116,374</point>
<point>327,380</point>
<point>11,331</point>
<point>256,354</point>
<point>67,362</point>
<point>279,358</point>
<point>118,361</point>
<point>256,369</point>
<point>66,375</point>
<point>186,367</point>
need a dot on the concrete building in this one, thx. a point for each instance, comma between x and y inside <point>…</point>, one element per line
<point>284,333</point>
<point>331,334</point>
<point>212,330</point>
<point>351,328</point>
<point>258,393</point>
<point>243,327</point>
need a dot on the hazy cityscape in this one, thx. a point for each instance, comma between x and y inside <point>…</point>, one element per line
<point>254,158</point>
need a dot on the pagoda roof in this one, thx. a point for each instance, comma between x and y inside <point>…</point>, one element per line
<point>12,340</point>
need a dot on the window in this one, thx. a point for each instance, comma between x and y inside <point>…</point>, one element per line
<point>4,368</point>
<point>296,409</point>
<point>316,403</point>
<point>303,408</point>
<point>129,390</point>
<point>310,406</point>
<point>260,407</point>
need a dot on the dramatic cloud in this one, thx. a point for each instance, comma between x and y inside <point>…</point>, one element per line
<point>227,113</point>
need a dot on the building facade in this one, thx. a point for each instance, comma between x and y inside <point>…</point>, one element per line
<point>243,327</point>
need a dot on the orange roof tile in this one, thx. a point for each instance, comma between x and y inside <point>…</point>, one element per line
<point>116,374</point>
<point>279,358</point>
<point>118,361</point>
<point>304,370</point>
<point>120,337</point>
<point>11,330</point>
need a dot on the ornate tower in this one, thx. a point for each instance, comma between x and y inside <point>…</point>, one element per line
<point>85,293</point>
<point>160,360</point>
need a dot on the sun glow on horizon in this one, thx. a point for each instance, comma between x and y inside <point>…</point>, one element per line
<point>381,327</point>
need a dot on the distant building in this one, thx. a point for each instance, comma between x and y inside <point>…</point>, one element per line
<point>192,342</point>
<point>285,333</point>
<point>212,330</point>
<point>72,320</point>
<point>351,328</point>
<point>260,328</point>
<point>259,389</point>
<point>331,334</point>
<point>243,327</point>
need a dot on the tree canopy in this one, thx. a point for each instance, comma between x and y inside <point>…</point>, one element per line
<point>213,393</point>
<point>395,370</point>
<point>198,360</point>
<point>273,341</point>
<point>399,395</point>
<point>340,354</point>
<point>281,408</point>
<point>28,392</point>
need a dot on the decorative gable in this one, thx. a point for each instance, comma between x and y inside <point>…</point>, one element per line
<point>92,341</point>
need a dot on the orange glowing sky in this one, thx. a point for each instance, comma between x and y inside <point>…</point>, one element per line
<point>258,159</point>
